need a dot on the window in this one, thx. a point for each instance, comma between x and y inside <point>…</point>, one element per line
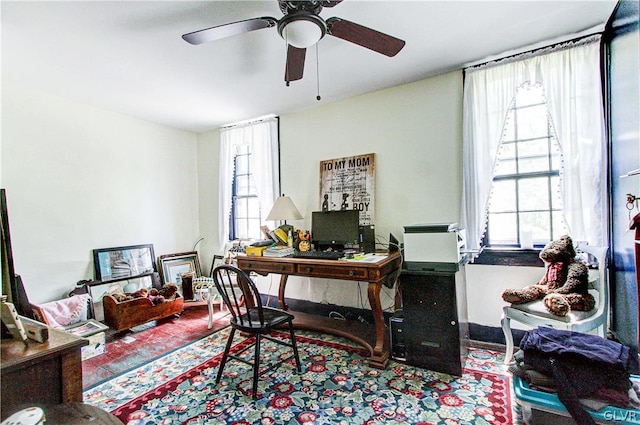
<point>249,178</point>
<point>525,194</point>
<point>534,149</point>
<point>245,206</point>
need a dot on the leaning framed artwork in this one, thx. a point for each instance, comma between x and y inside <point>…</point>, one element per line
<point>123,262</point>
<point>172,266</point>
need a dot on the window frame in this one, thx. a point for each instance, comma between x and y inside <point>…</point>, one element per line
<point>261,135</point>
<point>488,90</point>
<point>252,195</point>
<point>518,176</point>
<point>513,254</point>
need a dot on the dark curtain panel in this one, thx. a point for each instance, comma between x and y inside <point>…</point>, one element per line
<point>11,283</point>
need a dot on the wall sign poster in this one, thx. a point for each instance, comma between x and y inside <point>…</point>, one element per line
<point>349,183</point>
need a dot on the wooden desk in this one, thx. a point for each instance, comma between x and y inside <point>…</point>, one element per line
<point>375,274</point>
<point>42,373</point>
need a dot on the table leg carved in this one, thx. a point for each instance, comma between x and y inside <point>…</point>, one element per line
<point>374,338</point>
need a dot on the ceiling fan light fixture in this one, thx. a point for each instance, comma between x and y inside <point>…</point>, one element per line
<point>302,30</point>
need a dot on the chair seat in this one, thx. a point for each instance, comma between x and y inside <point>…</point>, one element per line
<point>536,314</point>
<point>537,308</point>
<point>272,318</point>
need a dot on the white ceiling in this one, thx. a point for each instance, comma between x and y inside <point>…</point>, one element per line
<point>129,57</point>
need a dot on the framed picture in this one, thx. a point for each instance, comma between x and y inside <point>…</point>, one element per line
<point>265,232</point>
<point>123,262</point>
<point>173,265</point>
<point>349,183</point>
<point>218,260</point>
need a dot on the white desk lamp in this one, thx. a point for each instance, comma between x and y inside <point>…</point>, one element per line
<point>284,209</point>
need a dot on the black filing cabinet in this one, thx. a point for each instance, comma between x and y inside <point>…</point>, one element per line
<point>435,324</point>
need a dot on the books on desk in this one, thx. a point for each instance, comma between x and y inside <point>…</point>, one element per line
<point>367,258</point>
<point>278,251</point>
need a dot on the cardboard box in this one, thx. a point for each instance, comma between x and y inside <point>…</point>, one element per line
<point>97,345</point>
<point>92,331</point>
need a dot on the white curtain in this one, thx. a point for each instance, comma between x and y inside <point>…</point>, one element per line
<point>570,76</point>
<point>262,140</point>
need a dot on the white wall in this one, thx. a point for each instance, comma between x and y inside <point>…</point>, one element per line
<point>484,285</point>
<point>208,176</point>
<point>415,132</point>
<point>80,178</point>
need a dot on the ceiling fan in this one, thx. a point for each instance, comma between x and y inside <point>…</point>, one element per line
<point>302,27</point>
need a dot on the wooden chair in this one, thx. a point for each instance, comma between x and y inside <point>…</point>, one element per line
<point>535,313</point>
<point>248,315</point>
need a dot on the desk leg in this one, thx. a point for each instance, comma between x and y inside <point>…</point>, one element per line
<point>283,286</point>
<point>380,356</point>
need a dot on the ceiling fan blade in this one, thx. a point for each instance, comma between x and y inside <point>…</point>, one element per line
<point>365,37</point>
<point>331,3</point>
<point>295,64</point>
<point>229,30</point>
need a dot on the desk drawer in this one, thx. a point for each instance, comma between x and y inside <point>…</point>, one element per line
<point>265,267</point>
<point>328,271</point>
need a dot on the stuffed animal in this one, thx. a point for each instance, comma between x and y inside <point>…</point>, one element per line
<point>168,291</point>
<point>126,296</point>
<point>564,286</point>
<point>140,293</point>
<point>121,296</point>
<point>155,298</point>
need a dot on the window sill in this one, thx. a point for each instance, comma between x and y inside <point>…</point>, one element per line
<point>510,257</point>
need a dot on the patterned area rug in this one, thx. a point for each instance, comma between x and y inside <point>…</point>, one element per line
<point>335,387</point>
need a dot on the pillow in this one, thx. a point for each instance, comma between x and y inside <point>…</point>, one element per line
<point>66,312</point>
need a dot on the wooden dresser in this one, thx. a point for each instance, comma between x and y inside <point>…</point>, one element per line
<point>42,373</point>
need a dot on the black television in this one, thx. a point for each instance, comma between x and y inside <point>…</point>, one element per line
<point>337,230</point>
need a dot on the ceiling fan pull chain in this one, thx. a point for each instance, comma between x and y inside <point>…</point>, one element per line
<point>317,74</point>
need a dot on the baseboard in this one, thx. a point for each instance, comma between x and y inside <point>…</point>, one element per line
<point>489,334</point>
<point>492,334</point>
<point>327,310</point>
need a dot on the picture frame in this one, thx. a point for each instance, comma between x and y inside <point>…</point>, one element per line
<point>123,262</point>
<point>172,266</point>
<point>218,260</point>
<point>265,232</point>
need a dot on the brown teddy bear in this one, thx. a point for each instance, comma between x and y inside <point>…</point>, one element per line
<point>126,296</point>
<point>564,286</point>
<point>168,291</point>
<point>121,296</point>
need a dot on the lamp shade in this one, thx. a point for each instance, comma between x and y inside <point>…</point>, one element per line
<point>284,209</point>
<point>302,30</point>
<point>302,33</point>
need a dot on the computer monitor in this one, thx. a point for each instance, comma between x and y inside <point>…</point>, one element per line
<point>335,229</point>
<point>394,243</point>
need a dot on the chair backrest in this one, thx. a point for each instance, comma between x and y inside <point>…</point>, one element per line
<point>82,287</point>
<point>239,294</point>
<point>601,284</point>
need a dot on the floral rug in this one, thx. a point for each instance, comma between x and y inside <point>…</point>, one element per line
<point>335,387</point>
